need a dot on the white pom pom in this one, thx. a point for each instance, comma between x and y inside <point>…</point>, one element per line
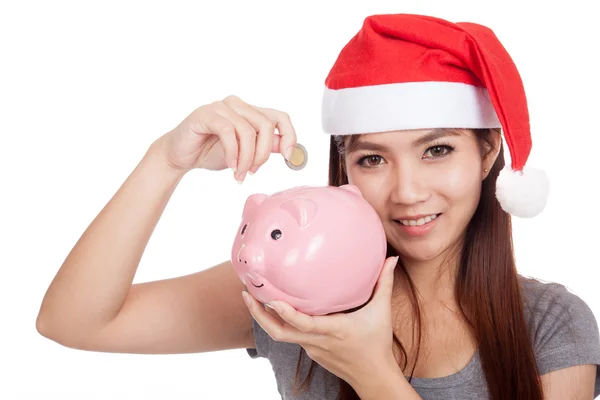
<point>522,194</point>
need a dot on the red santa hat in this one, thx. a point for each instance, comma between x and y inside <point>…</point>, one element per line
<point>405,71</point>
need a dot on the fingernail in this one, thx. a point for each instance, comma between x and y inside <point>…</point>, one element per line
<point>241,179</point>
<point>253,170</point>
<point>246,299</point>
<point>233,165</point>
<point>275,306</point>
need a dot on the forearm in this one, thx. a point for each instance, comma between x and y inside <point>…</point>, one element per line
<point>94,280</point>
<point>390,384</point>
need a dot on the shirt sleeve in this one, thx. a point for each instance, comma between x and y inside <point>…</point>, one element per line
<point>566,332</point>
<point>262,342</point>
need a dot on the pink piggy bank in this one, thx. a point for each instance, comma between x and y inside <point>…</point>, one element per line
<point>320,249</point>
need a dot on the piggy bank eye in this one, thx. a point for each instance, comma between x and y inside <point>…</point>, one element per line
<point>276,234</point>
<point>244,229</point>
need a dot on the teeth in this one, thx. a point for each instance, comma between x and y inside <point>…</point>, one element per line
<point>418,222</point>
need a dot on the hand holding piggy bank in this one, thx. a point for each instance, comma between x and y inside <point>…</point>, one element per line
<point>319,249</point>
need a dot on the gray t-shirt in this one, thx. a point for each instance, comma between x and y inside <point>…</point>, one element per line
<point>563,328</point>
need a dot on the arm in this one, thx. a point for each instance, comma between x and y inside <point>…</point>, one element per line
<point>389,384</point>
<point>91,303</point>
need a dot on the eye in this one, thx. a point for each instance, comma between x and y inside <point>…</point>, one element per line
<point>439,150</point>
<point>244,229</point>
<point>372,160</point>
<point>276,234</point>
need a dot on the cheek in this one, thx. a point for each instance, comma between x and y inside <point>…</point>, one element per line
<point>462,182</point>
<point>372,188</point>
<point>369,184</point>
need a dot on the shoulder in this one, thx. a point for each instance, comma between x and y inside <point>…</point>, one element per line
<point>563,328</point>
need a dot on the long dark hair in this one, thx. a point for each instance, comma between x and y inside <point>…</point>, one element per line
<point>487,290</point>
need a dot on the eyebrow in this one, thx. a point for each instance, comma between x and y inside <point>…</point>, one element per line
<point>437,133</point>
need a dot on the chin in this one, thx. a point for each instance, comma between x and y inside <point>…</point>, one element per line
<point>424,251</point>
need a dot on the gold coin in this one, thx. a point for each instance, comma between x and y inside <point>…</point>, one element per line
<point>298,159</point>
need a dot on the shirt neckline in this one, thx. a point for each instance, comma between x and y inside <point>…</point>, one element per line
<point>455,379</point>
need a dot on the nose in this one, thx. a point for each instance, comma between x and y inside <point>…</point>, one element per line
<point>409,185</point>
<point>253,257</point>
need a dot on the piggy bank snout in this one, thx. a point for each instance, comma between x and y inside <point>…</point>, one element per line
<point>252,257</point>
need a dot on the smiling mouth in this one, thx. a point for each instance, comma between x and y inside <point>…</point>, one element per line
<point>252,282</point>
<point>419,222</point>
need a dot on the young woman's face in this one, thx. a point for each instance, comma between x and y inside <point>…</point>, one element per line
<point>424,184</point>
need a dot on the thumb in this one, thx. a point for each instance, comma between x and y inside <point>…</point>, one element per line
<point>385,283</point>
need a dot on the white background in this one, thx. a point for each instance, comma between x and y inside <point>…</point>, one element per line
<point>85,87</point>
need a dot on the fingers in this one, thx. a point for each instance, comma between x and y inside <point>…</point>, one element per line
<point>254,137</point>
<point>226,131</point>
<point>265,136</point>
<point>385,283</point>
<point>281,332</point>
<point>286,130</point>
<point>245,135</point>
<point>263,125</point>
<point>320,325</point>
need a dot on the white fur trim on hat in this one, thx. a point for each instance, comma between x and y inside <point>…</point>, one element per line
<point>411,105</point>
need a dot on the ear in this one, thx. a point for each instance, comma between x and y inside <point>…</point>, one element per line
<point>303,210</point>
<point>351,188</point>
<point>252,202</point>
<point>490,151</point>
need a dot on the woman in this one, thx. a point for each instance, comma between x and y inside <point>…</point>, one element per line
<point>415,106</point>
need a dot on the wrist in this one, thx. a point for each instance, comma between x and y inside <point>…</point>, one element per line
<point>157,161</point>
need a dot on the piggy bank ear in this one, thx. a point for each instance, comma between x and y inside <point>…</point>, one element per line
<point>252,202</point>
<point>303,210</point>
<point>351,188</point>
